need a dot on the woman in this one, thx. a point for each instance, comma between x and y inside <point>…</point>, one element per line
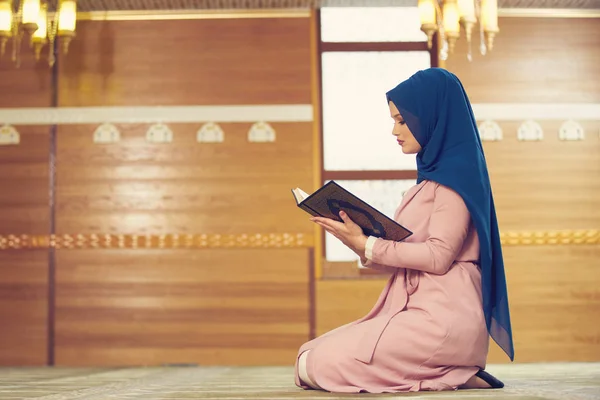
<point>429,328</point>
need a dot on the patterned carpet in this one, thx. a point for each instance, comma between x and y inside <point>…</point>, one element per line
<point>524,381</point>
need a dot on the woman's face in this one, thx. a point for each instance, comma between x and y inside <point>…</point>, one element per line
<point>403,134</point>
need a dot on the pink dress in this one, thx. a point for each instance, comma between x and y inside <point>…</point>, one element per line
<point>427,330</point>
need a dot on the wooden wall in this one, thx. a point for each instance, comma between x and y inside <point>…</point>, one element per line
<point>548,185</point>
<point>252,306</point>
<point>538,186</point>
<point>24,196</point>
<point>153,306</point>
<point>534,60</point>
<point>171,306</point>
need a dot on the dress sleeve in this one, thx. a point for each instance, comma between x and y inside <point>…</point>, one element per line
<point>448,228</point>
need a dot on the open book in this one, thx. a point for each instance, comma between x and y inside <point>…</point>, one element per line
<point>331,198</point>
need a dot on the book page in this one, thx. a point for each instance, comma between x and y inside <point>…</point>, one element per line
<point>299,194</point>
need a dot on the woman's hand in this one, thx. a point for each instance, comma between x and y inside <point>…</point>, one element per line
<point>347,232</point>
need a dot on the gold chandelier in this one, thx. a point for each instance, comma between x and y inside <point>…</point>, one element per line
<point>31,19</point>
<point>447,16</point>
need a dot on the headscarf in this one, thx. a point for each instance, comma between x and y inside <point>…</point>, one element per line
<point>437,111</point>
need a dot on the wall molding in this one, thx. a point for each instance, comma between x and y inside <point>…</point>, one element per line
<point>164,241</point>
<point>161,15</point>
<point>562,237</point>
<point>535,111</point>
<point>269,113</point>
<point>156,114</point>
<point>548,13</point>
<point>253,240</point>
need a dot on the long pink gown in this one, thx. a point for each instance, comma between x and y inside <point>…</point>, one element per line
<point>427,329</point>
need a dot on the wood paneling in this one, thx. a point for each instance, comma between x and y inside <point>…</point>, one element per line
<point>24,197</point>
<point>127,307</point>
<point>188,62</point>
<point>555,303</point>
<point>213,306</point>
<point>23,307</point>
<point>182,187</point>
<point>342,301</point>
<point>534,60</point>
<point>28,85</point>
<point>553,294</point>
<point>24,182</point>
<point>546,185</point>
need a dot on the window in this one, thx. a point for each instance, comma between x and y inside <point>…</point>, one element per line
<point>371,24</point>
<point>356,120</point>
<point>366,51</point>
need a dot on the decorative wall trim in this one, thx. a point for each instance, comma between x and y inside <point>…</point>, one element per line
<point>9,135</point>
<point>571,130</point>
<point>539,112</point>
<point>490,130</point>
<point>530,131</point>
<point>185,6</point>
<point>269,113</point>
<point>255,240</point>
<point>156,114</point>
<point>261,132</point>
<point>525,238</point>
<point>549,12</point>
<point>166,241</point>
<point>157,15</point>
<point>107,133</point>
<point>210,133</point>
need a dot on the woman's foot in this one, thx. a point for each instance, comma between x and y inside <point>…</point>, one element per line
<point>482,380</point>
<point>475,383</point>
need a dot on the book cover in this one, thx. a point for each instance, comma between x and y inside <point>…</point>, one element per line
<point>331,198</point>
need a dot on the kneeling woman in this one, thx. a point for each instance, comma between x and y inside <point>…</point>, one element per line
<point>429,328</point>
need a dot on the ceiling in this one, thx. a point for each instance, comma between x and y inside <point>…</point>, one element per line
<point>135,5</point>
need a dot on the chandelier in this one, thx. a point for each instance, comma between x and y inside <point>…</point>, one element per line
<point>447,16</point>
<point>31,20</point>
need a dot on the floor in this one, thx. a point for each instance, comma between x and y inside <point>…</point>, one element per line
<point>525,381</point>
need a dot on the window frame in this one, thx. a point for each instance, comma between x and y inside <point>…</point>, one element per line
<point>349,269</point>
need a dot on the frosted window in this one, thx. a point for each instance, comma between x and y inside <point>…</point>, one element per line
<point>384,195</point>
<point>357,127</point>
<point>371,24</point>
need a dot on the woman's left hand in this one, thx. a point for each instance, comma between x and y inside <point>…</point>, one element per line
<point>347,232</point>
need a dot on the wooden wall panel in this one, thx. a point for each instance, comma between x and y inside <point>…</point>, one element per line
<point>217,306</point>
<point>342,301</point>
<point>188,62</point>
<point>28,85</point>
<point>23,307</point>
<point>24,192</point>
<point>24,209</point>
<point>553,294</point>
<point>24,182</point>
<point>546,185</point>
<point>211,307</point>
<point>543,60</point>
<point>183,187</point>
<point>555,302</point>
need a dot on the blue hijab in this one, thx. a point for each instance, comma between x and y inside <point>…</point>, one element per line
<point>437,111</point>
